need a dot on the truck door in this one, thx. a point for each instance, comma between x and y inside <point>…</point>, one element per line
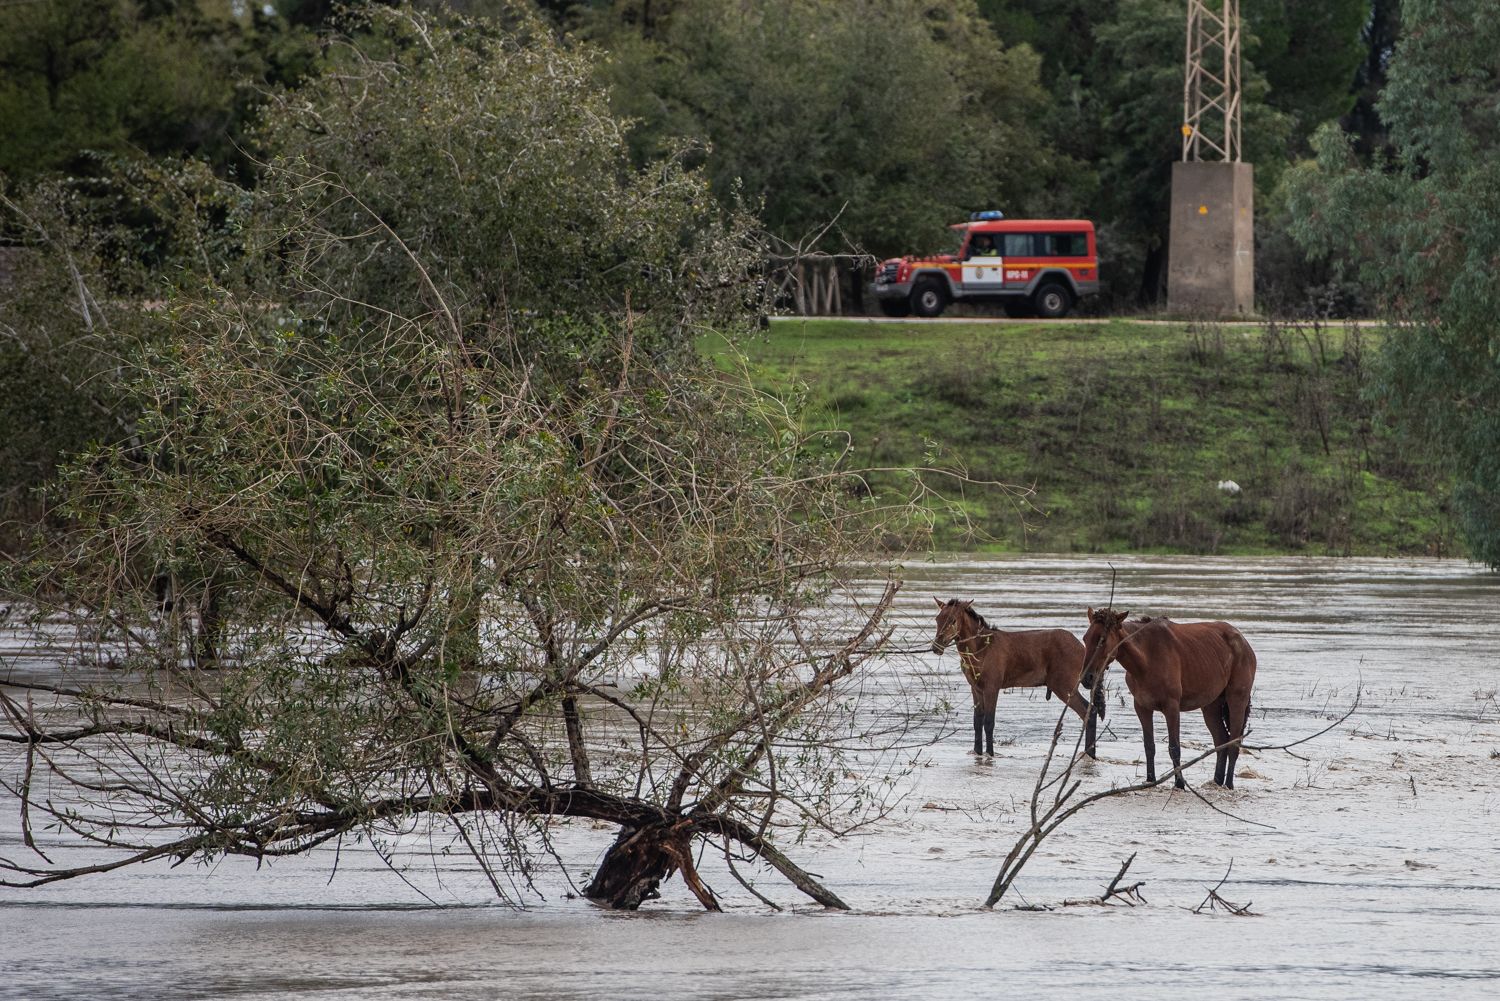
<point>983,267</point>
<point>1021,249</point>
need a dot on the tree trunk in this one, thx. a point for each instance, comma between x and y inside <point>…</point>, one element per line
<point>640,859</point>
<point>210,625</point>
<point>1153,276</point>
<point>577,749</point>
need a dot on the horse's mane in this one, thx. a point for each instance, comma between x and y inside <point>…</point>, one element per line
<point>1147,621</point>
<point>980,618</point>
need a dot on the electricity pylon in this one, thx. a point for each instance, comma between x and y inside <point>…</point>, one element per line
<point>1211,252</point>
<point>1211,90</point>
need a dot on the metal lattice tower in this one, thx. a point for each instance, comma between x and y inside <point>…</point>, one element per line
<point>1211,92</point>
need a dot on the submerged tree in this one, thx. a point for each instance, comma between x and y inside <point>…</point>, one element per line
<point>437,483</point>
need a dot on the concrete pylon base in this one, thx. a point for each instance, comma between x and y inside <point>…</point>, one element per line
<point>1211,258</point>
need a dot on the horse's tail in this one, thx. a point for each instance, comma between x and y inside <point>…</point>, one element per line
<point>1242,659</point>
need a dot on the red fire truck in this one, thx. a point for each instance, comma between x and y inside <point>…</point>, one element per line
<point>1028,266</point>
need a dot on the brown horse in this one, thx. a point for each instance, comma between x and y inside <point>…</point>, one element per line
<point>1172,666</point>
<point>993,659</point>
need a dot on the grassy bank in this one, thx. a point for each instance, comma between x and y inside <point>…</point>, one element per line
<point>1122,432</point>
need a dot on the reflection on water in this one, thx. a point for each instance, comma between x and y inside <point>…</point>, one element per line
<point>1375,871</point>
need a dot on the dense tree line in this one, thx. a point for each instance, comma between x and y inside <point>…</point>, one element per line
<point>83,78</point>
<point>890,117</point>
<point>886,118</point>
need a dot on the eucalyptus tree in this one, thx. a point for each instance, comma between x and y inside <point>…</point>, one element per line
<point>1422,226</point>
<point>462,532</point>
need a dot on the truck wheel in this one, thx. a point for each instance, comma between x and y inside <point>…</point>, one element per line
<point>1053,301</point>
<point>928,298</point>
<point>895,307</point>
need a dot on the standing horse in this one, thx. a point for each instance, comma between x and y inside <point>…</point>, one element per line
<point>993,659</point>
<point>1172,666</point>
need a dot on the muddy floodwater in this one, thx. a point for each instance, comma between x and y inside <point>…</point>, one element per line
<point>1368,858</point>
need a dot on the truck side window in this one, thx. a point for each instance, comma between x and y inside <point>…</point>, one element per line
<point>1070,244</point>
<point>982,245</point>
<point>1019,245</point>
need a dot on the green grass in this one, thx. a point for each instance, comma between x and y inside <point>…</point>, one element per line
<point>1123,430</point>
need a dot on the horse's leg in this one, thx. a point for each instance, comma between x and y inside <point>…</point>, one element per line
<point>1174,747</point>
<point>989,721</point>
<point>1091,731</point>
<point>1231,754</point>
<point>978,696</point>
<point>1085,712</point>
<point>1076,702</point>
<point>1216,715</point>
<point>1148,739</point>
<point>1238,711</point>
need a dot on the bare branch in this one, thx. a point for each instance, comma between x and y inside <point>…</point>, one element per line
<point>1213,901</point>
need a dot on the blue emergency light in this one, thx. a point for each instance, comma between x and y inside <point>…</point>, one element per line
<point>988,215</point>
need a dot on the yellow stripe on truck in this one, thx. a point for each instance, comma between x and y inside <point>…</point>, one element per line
<point>1011,262</point>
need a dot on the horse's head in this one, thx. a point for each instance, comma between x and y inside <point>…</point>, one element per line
<point>1106,630</point>
<point>951,617</point>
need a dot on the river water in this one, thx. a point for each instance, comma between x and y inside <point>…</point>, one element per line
<point>1369,857</point>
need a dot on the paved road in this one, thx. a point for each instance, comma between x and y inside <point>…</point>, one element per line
<point>1066,320</point>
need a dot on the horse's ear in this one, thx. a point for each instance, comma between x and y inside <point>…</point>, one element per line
<point>1091,615</point>
<point>937,601</point>
<point>967,604</point>
<point>1123,614</point>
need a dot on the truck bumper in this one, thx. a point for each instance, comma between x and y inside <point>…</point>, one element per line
<point>890,290</point>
